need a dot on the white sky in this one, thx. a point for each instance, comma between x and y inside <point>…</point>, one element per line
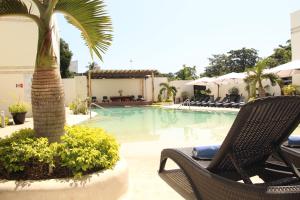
<point>165,34</point>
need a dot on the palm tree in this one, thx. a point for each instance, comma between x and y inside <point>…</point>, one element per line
<point>256,75</point>
<point>47,91</point>
<point>171,90</point>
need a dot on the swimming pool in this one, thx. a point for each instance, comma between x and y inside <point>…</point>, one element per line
<point>132,124</point>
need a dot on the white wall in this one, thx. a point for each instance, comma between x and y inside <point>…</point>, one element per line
<point>296,79</point>
<point>75,88</point>
<point>157,81</point>
<point>11,94</point>
<point>182,87</point>
<point>295,34</point>
<point>110,87</point>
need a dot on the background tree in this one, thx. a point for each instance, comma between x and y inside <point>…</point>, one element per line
<point>171,76</point>
<point>65,59</point>
<point>241,59</point>
<point>233,61</point>
<point>47,94</point>
<point>92,66</point>
<point>171,91</point>
<point>255,77</point>
<point>280,56</point>
<point>187,73</point>
<point>216,66</point>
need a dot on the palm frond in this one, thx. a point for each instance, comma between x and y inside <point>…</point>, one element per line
<point>272,77</point>
<point>11,7</point>
<point>173,88</point>
<point>90,18</point>
<point>166,85</point>
<point>162,90</point>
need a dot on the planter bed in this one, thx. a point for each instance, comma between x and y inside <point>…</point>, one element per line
<point>106,185</point>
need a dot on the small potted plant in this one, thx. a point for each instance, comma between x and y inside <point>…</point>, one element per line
<point>120,92</point>
<point>18,112</point>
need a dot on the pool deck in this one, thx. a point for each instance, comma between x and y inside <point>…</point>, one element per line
<point>201,108</point>
<point>142,158</point>
<point>70,120</point>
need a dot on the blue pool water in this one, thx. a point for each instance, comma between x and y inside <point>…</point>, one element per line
<point>131,124</point>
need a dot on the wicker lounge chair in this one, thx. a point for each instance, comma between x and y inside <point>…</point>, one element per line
<point>213,103</point>
<point>257,132</point>
<point>210,99</point>
<point>239,103</point>
<point>292,153</point>
<point>220,103</point>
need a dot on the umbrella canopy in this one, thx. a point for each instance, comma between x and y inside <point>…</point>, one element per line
<point>201,81</point>
<point>231,76</point>
<point>285,70</point>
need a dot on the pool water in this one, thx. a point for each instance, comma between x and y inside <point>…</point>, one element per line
<point>132,124</point>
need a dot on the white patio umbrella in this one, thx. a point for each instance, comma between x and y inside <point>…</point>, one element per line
<point>285,70</point>
<point>201,81</point>
<point>231,76</point>
<point>204,80</point>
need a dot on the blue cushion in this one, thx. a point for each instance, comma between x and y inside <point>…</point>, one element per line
<point>205,152</point>
<point>294,141</point>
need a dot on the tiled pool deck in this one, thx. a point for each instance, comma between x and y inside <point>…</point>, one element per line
<point>142,158</point>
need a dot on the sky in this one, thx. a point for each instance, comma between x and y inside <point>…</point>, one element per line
<point>165,34</point>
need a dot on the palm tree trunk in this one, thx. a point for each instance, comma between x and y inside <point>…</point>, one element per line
<point>261,91</point>
<point>47,97</point>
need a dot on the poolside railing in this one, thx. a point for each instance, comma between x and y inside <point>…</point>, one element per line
<point>187,102</point>
<point>94,104</point>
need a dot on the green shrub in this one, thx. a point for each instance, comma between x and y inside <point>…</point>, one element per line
<point>22,148</point>
<point>79,107</point>
<point>289,90</point>
<point>169,100</point>
<point>18,108</point>
<point>251,99</point>
<point>233,91</point>
<point>159,97</point>
<point>85,148</point>
<point>6,121</point>
<point>81,149</point>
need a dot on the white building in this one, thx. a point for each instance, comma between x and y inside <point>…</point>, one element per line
<point>295,35</point>
<point>19,37</point>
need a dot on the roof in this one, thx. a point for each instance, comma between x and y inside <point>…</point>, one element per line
<point>100,74</point>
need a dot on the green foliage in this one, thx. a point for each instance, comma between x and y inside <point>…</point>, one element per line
<point>81,149</point>
<point>208,91</point>
<point>233,61</point>
<point>251,99</point>
<point>6,121</point>
<point>289,90</point>
<point>21,148</point>
<point>79,106</point>
<point>92,66</point>
<point>85,148</point>
<point>171,76</point>
<point>256,75</point>
<point>65,59</point>
<point>159,97</point>
<point>169,100</point>
<point>170,90</point>
<point>187,73</point>
<point>281,55</point>
<point>233,91</point>
<point>18,108</point>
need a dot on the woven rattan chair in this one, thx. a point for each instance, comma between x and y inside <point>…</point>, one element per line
<point>259,129</point>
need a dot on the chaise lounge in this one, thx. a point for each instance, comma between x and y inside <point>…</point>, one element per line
<point>259,129</point>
